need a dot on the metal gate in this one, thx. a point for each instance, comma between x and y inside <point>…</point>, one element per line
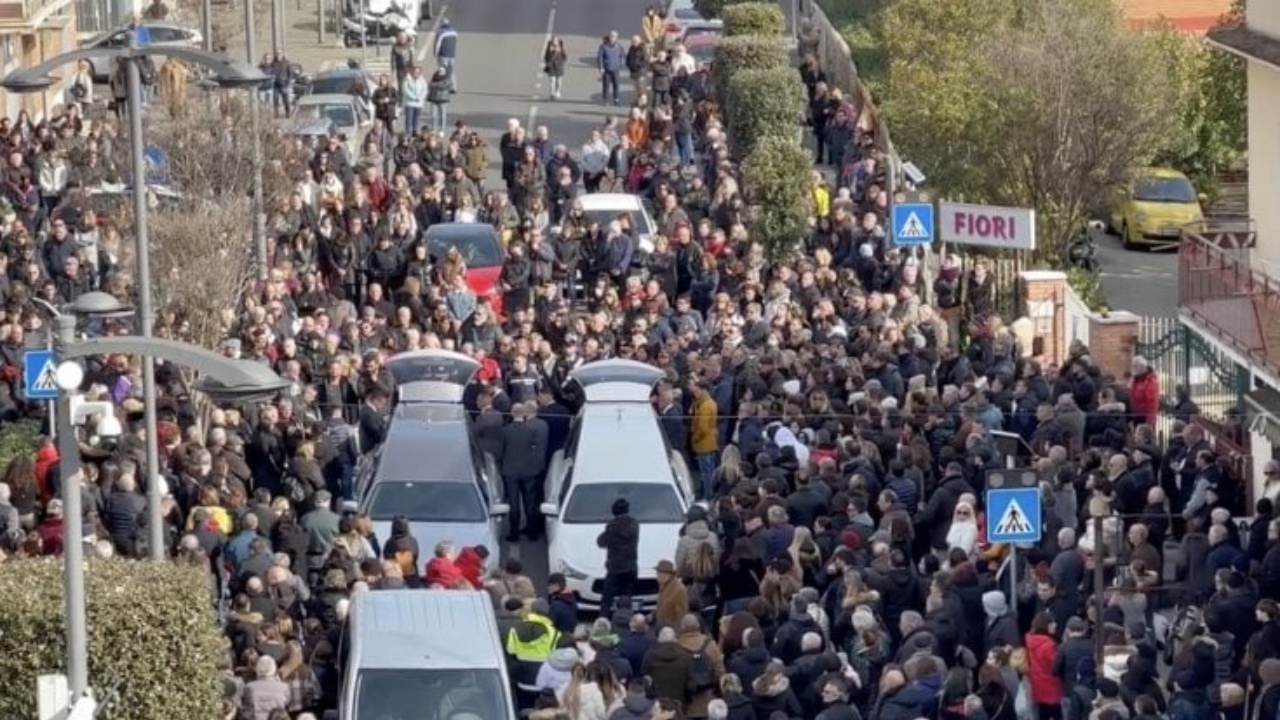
<point>1217,383</point>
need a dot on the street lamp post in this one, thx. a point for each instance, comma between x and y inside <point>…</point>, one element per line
<point>226,73</point>
<point>223,377</point>
<point>255,127</point>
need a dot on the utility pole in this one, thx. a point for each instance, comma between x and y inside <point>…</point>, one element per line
<point>255,121</point>
<point>277,26</point>
<point>142,249</point>
<point>72,528</point>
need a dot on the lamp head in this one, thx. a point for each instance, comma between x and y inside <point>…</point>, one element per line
<point>25,81</point>
<point>97,304</point>
<point>109,427</point>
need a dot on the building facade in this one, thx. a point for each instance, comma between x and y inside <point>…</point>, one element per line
<point>1229,275</point>
<point>32,31</point>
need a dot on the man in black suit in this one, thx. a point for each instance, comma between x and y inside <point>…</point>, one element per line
<point>524,460</point>
<point>373,419</point>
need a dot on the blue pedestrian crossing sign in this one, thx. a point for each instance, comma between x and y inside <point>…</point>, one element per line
<point>912,224</point>
<point>1013,515</point>
<point>40,375</point>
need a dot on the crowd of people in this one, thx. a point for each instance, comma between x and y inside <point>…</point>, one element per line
<point>841,415</point>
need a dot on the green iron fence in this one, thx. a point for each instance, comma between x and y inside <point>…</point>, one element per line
<point>1217,383</point>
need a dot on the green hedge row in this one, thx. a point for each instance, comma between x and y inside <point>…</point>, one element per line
<point>763,106</point>
<point>754,18</point>
<point>154,644</point>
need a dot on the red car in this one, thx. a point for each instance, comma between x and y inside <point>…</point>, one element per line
<point>481,250</point>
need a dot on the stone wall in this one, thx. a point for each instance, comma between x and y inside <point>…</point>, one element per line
<point>837,63</point>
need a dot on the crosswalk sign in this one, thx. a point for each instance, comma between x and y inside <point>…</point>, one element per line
<point>39,375</point>
<point>1013,515</point>
<point>912,224</point>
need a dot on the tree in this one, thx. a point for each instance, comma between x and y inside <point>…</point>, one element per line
<point>777,180</point>
<point>754,18</point>
<point>1049,104</point>
<point>202,256</point>
<point>760,103</point>
<point>154,644</point>
<point>1213,101</point>
<point>738,54</point>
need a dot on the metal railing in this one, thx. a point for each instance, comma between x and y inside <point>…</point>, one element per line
<point>1220,289</point>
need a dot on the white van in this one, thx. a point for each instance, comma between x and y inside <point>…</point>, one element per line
<point>404,659</point>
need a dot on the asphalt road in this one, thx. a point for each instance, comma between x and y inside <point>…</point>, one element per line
<point>499,78</point>
<point>1140,281</point>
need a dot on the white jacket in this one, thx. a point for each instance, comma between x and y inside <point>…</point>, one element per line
<point>590,702</point>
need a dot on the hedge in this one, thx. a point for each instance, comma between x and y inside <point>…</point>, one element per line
<point>154,643</point>
<point>738,54</point>
<point>17,438</point>
<point>754,18</point>
<point>777,179</point>
<point>711,9</point>
<point>759,103</point>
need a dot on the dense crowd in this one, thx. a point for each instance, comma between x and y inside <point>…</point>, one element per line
<point>841,428</point>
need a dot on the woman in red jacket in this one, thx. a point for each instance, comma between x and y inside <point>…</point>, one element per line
<point>442,572</point>
<point>1046,688</point>
<point>1144,391</point>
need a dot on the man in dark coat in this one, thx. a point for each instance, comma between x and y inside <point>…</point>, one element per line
<point>524,459</point>
<point>621,543</point>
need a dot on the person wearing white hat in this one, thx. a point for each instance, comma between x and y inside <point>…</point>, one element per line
<point>266,693</point>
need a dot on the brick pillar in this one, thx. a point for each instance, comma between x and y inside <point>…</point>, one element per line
<point>1112,338</point>
<point>1044,297</point>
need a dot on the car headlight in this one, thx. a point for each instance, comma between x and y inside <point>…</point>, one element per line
<point>570,572</point>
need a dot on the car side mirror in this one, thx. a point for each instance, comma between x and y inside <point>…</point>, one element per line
<point>548,509</point>
<point>499,509</point>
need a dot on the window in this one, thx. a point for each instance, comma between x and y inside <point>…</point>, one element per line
<point>650,503</point>
<point>1165,190</point>
<point>479,249</point>
<point>384,694</point>
<point>437,501</point>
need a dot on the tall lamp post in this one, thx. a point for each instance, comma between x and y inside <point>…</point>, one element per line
<point>222,377</point>
<point>226,73</point>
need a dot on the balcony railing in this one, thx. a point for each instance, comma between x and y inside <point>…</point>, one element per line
<point>1219,289</point>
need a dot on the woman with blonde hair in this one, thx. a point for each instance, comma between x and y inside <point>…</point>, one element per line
<point>730,470</point>
<point>304,687</point>
<point>592,693</point>
<point>806,557</point>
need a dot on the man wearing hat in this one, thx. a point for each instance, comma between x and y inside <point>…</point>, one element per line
<point>562,602</point>
<point>673,597</point>
<point>621,543</point>
<point>530,643</point>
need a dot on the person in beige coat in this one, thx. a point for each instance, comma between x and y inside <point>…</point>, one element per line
<point>694,640</point>
<point>673,597</point>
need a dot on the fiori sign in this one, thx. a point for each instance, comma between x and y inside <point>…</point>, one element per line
<point>987,226</point>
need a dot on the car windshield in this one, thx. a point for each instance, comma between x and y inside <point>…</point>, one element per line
<point>650,503</point>
<point>343,116</point>
<point>603,217</point>
<point>429,694</point>
<point>1165,190</point>
<point>687,13</point>
<point>333,84</point>
<point>440,501</point>
<point>478,249</point>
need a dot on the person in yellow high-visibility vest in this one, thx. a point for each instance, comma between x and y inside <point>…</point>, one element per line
<point>529,644</point>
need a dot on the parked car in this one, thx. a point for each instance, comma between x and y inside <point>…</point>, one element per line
<point>604,208</point>
<point>1156,207</point>
<point>158,34</point>
<point>457,495</point>
<point>481,250</point>
<point>615,450</point>
<point>349,116</point>
<point>685,22</point>
<point>338,81</point>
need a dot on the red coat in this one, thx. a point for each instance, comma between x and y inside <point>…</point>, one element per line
<point>50,532</point>
<point>1144,396</point>
<point>46,461</point>
<point>1046,688</point>
<point>471,565</point>
<point>445,573</point>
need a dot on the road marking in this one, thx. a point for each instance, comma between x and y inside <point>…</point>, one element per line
<point>537,86</point>
<point>435,27</point>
